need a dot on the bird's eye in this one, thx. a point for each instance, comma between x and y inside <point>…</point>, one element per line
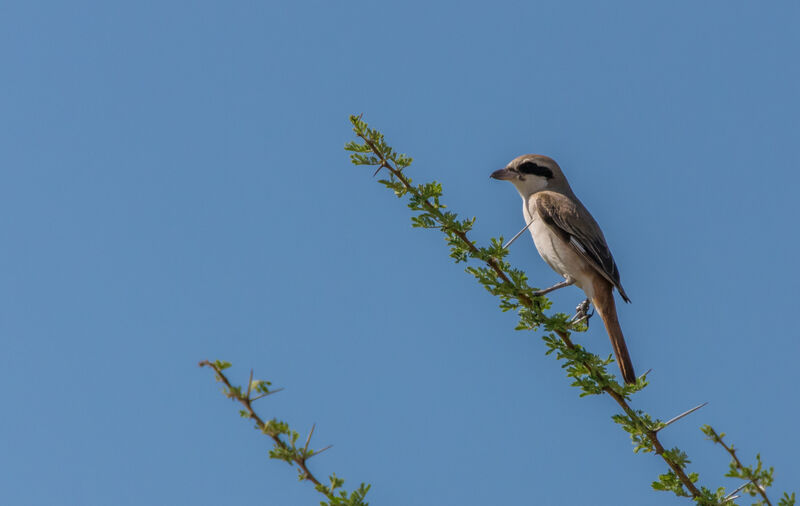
<point>532,168</point>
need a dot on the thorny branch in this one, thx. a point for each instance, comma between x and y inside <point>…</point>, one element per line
<point>525,300</point>
<point>644,430</point>
<point>286,449</point>
<point>509,284</point>
<point>247,402</point>
<point>753,478</point>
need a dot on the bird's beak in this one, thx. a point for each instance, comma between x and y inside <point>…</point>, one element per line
<point>502,174</point>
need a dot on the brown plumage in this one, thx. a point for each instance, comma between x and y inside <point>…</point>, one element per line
<point>604,303</point>
<point>570,241</point>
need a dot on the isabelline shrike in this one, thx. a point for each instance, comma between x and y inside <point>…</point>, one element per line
<point>570,241</point>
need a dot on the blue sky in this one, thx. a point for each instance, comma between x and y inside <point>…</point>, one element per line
<point>174,189</point>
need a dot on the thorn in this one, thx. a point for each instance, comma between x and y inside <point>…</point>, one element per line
<point>733,495</point>
<point>250,384</point>
<point>266,394</point>
<point>646,373</point>
<point>681,416</point>
<point>305,448</point>
<point>326,448</point>
<point>584,319</point>
<point>511,241</point>
<point>575,323</point>
<point>382,166</point>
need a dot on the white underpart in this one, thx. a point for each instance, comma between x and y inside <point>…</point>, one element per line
<point>558,254</point>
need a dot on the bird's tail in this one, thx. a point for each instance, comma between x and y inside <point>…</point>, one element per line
<point>604,303</point>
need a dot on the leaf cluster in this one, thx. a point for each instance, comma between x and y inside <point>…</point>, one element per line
<point>341,497</point>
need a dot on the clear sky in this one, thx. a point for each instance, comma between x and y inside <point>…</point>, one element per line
<point>174,189</point>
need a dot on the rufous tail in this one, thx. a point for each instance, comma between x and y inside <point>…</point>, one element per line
<point>604,303</point>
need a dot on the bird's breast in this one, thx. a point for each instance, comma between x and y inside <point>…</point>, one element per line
<point>558,254</point>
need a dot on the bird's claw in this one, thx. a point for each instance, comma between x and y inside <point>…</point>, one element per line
<point>582,314</point>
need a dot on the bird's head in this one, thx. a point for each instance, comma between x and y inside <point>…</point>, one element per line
<point>533,173</point>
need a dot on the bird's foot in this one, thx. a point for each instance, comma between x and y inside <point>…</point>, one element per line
<point>582,314</point>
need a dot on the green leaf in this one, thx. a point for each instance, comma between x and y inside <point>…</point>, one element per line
<point>221,364</point>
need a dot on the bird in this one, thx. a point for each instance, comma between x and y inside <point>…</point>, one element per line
<point>570,241</point>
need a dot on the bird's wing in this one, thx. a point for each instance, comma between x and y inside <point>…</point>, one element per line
<point>574,223</point>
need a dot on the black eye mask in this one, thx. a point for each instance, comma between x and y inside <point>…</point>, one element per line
<point>531,168</point>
